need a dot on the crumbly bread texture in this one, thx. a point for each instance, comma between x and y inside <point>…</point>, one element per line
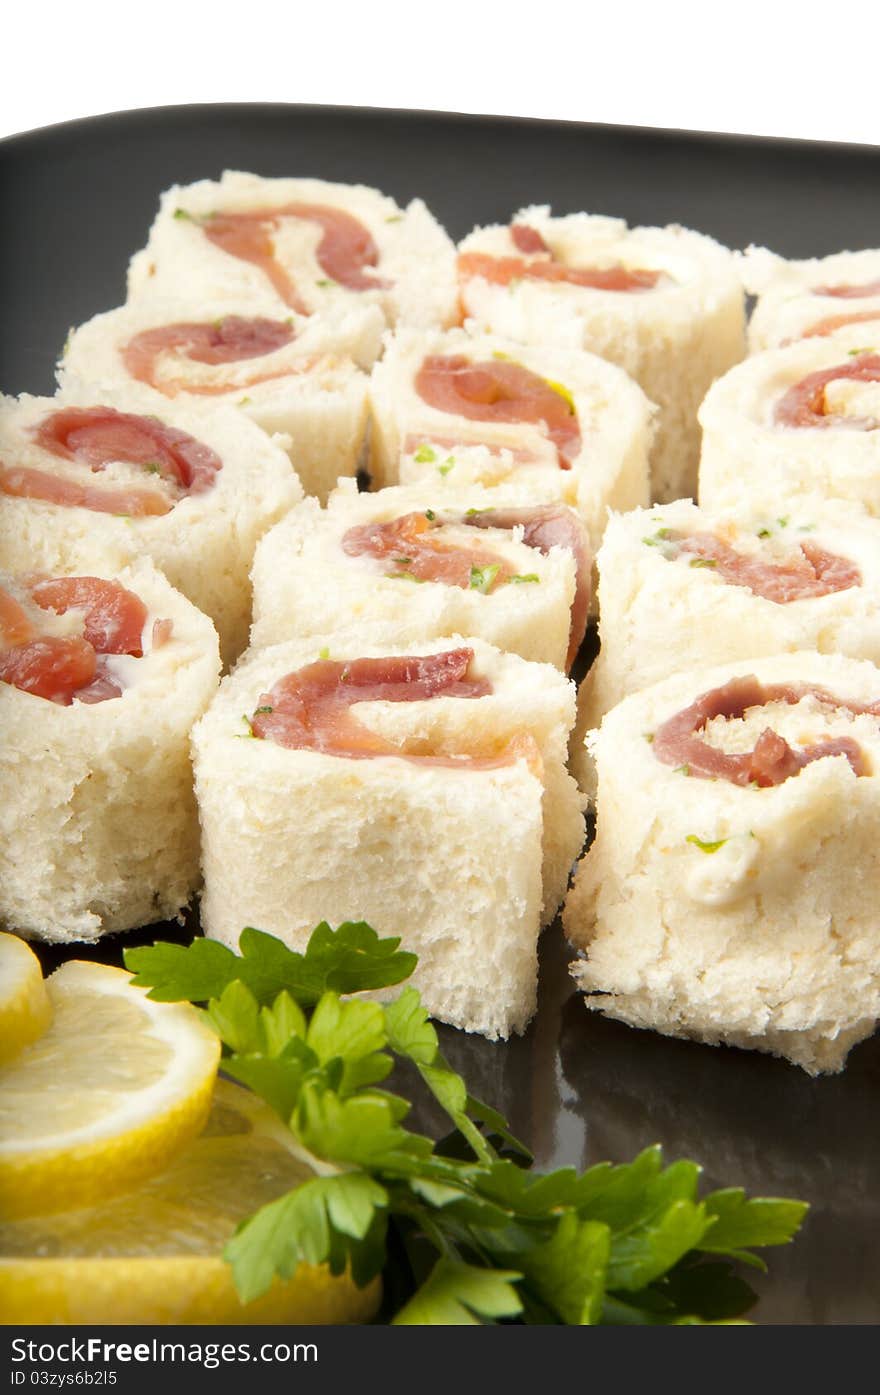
<point>310,391</point>
<point>304,583</point>
<point>674,339</point>
<point>766,936</point>
<point>456,861</point>
<point>413,441</point>
<point>416,261</point>
<point>790,300</point>
<point>98,822</point>
<point>662,612</point>
<point>750,459</point>
<point>204,545</point>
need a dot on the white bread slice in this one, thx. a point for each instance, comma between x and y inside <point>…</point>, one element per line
<point>412,440</point>
<point>304,583</point>
<point>98,822</point>
<point>674,339</point>
<point>663,611</point>
<point>765,936</point>
<point>416,259</point>
<point>791,303</point>
<point>204,545</point>
<point>456,861</point>
<point>749,458</point>
<point>309,390</point>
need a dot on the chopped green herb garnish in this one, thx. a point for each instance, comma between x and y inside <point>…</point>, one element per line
<point>425,455</point>
<point>182,213</point>
<point>482,577</point>
<point>649,737</point>
<point>403,561</point>
<point>395,218</point>
<point>526,576</point>
<point>497,353</point>
<point>765,532</point>
<point>706,847</point>
<point>430,515</point>
<point>263,709</point>
<point>703,562</point>
<point>472,513</point>
<point>406,576</point>
<point>152,467</point>
<point>682,770</point>
<point>783,522</point>
<point>446,466</point>
<point>324,653</point>
<point>463,1230</point>
<point>856,353</point>
<point>245,401</point>
<point>658,538</point>
<point>243,735</point>
<point>324,282</point>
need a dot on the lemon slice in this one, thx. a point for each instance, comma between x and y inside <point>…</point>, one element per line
<point>153,1255</point>
<point>105,1096</point>
<point>25,1011</point>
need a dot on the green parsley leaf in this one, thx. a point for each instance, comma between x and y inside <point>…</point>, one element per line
<point>483,577</point>
<point>325,282</point>
<point>462,1229</point>
<point>703,562</point>
<point>350,959</point>
<point>425,455</point>
<point>182,213</point>
<point>324,653</point>
<point>458,1294</point>
<point>706,847</point>
<point>446,466</point>
<point>527,576</point>
<point>682,770</point>
<point>430,515</point>
<point>264,708</point>
<point>298,1229</point>
<point>765,532</point>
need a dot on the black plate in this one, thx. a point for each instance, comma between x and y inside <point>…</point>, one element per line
<point>77,201</point>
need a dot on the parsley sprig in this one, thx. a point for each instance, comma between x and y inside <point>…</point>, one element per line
<point>462,1229</point>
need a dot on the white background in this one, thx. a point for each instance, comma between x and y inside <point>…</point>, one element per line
<point>782,67</point>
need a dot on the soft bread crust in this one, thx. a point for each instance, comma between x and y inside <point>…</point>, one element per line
<point>415,254</point>
<point>662,615</point>
<point>456,861</point>
<point>205,545</point>
<point>305,584</point>
<point>748,459</point>
<point>98,822</point>
<point>673,340</point>
<point>615,418</point>
<point>770,942</point>
<point>788,305</point>
<point>318,404</point>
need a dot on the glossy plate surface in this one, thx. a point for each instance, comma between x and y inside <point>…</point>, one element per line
<point>78,200</point>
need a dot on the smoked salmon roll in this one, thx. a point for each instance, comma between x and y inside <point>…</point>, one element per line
<point>788,422</point>
<point>290,374</point>
<point>193,490</point>
<point>404,565</point>
<point>430,798</point>
<point>102,675</point>
<point>824,298</point>
<point>456,408</point>
<point>314,247</point>
<point>730,893</point>
<point>665,304</point>
<point>680,587</point>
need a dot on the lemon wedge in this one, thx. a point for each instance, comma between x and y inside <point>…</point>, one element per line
<point>108,1093</point>
<point>153,1254</point>
<point>25,1011</point>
